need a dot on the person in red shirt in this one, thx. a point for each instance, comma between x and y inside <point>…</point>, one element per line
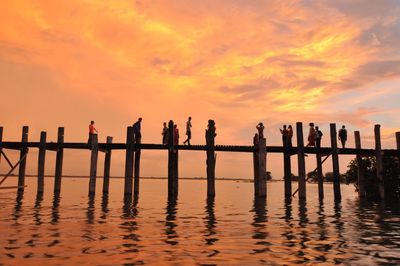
<point>92,131</point>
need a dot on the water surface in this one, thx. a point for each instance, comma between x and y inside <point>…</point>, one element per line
<point>233,228</point>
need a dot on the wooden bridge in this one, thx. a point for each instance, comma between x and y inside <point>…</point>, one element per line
<point>259,151</point>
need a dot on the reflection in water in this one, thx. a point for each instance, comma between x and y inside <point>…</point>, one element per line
<point>18,206</point>
<point>170,222</point>
<point>288,234</point>
<point>259,224</point>
<point>55,215</point>
<point>90,210</point>
<point>210,222</point>
<point>129,225</point>
<point>104,206</point>
<point>38,206</point>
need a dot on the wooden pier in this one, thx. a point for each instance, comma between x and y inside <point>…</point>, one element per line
<point>259,150</point>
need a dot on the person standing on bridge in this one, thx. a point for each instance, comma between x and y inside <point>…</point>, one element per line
<point>311,136</point>
<point>164,134</point>
<point>343,136</point>
<point>318,136</point>
<point>284,133</point>
<point>176,135</point>
<point>92,131</point>
<point>137,130</point>
<point>290,135</point>
<point>188,131</point>
<point>260,127</point>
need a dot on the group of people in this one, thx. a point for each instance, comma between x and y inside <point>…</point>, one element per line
<point>165,133</point>
<point>314,134</point>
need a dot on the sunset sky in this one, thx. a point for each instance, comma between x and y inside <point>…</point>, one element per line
<point>239,62</point>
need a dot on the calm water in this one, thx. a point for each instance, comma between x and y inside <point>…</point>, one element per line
<point>232,229</point>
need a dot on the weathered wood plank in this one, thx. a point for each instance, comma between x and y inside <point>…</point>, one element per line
<point>379,161</point>
<point>93,164</point>
<point>59,161</point>
<point>210,162</point>
<point>41,162</point>
<point>129,162</point>
<point>360,167</point>
<point>335,163</point>
<point>22,156</point>
<point>301,160</point>
<point>107,165</point>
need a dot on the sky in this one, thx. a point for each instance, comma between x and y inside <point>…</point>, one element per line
<point>65,63</point>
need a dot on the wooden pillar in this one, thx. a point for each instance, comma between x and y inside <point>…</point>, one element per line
<point>22,157</point>
<point>210,142</point>
<point>255,164</point>
<point>301,161</point>
<point>171,161</point>
<point>320,175</point>
<point>360,167</point>
<point>93,164</point>
<point>59,161</point>
<point>129,162</point>
<point>335,163</point>
<point>107,164</point>
<point>41,162</point>
<point>287,170</point>
<point>398,145</point>
<point>262,168</point>
<point>379,161</point>
<point>137,171</point>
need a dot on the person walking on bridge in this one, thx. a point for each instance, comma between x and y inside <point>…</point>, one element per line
<point>318,136</point>
<point>311,136</point>
<point>188,131</point>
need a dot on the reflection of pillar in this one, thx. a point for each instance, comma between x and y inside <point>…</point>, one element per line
<point>107,164</point>
<point>210,142</point>
<point>360,167</point>
<point>379,161</point>
<point>129,162</point>
<point>22,156</point>
<point>301,160</point>
<point>59,160</point>
<point>335,163</point>
<point>41,162</point>
<point>93,164</point>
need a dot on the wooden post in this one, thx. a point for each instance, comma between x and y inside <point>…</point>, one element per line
<point>129,162</point>
<point>335,163</point>
<point>210,142</point>
<point>255,164</point>
<point>22,165</point>
<point>59,161</point>
<point>41,162</point>
<point>320,175</point>
<point>360,167</point>
<point>171,160</point>
<point>137,170</point>
<point>262,168</point>
<point>301,160</point>
<point>398,144</point>
<point>287,170</point>
<point>379,161</point>
<point>107,164</point>
<point>93,164</point>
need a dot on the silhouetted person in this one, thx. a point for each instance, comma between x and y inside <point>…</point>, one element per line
<point>343,136</point>
<point>256,139</point>
<point>290,135</point>
<point>318,136</point>
<point>260,129</point>
<point>311,136</point>
<point>92,131</point>
<point>137,130</point>
<point>284,133</point>
<point>176,135</point>
<point>164,134</point>
<point>188,131</point>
